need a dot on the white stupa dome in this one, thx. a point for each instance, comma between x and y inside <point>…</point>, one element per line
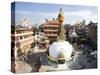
<point>61,47</point>
<point>73,34</point>
<point>24,22</point>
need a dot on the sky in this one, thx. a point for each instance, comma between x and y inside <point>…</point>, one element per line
<point>36,13</point>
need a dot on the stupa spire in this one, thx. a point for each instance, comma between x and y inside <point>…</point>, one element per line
<point>61,31</point>
<point>61,15</point>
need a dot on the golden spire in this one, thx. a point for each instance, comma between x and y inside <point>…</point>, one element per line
<point>61,31</point>
<point>61,15</point>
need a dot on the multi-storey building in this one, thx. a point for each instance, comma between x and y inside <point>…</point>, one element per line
<point>21,39</point>
<point>51,28</point>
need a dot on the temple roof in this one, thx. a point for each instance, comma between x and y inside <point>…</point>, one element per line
<point>52,22</point>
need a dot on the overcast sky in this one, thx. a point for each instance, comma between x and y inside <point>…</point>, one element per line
<point>37,12</point>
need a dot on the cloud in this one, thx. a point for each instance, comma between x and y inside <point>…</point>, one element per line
<point>84,14</point>
<point>94,17</point>
<point>81,15</point>
<point>23,12</point>
<point>70,16</point>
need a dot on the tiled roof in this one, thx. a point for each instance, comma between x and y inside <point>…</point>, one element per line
<point>52,22</point>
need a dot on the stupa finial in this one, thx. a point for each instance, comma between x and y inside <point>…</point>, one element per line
<point>61,31</point>
<point>61,15</point>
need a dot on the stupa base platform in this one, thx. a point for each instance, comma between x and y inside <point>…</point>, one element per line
<point>53,66</point>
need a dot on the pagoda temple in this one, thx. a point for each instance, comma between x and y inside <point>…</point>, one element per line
<point>54,28</point>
